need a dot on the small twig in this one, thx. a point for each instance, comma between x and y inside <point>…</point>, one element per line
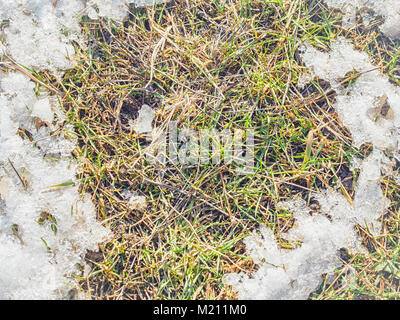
<point>19,176</point>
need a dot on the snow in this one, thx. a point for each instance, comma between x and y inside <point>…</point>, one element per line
<point>370,108</point>
<point>116,9</point>
<point>42,110</point>
<point>40,32</point>
<point>293,274</point>
<point>357,106</point>
<point>333,65</point>
<point>388,9</point>
<point>34,37</point>
<point>46,224</point>
<point>144,121</point>
<point>36,251</point>
<point>135,201</point>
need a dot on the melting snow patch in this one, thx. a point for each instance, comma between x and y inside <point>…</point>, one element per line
<point>388,9</point>
<point>296,273</point>
<point>370,108</point>
<point>44,230</point>
<point>115,9</point>
<point>39,34</point>
<point>333,66</point>
<point>135,201</point>
<point>144,121</point>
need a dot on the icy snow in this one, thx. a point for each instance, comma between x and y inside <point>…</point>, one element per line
<point>296,273</point>
<point>144,121</point>
<point>35,260</point>
<point>115,9</point>
<point>333,65</point>
<point>135,201</point>
<point>388,9</point>
<point>355,105</point>
<point>293,274</point>
<point>46,225</point>
<point>42,110</point>
<point>40,34</point>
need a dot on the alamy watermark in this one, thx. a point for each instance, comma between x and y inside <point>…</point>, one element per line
<point>188,148</point>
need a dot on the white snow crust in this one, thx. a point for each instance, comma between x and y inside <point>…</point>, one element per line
<point>144,121</point>
<point>388,9</point>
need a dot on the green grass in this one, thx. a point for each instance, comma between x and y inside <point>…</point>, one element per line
<point>214,65</point>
